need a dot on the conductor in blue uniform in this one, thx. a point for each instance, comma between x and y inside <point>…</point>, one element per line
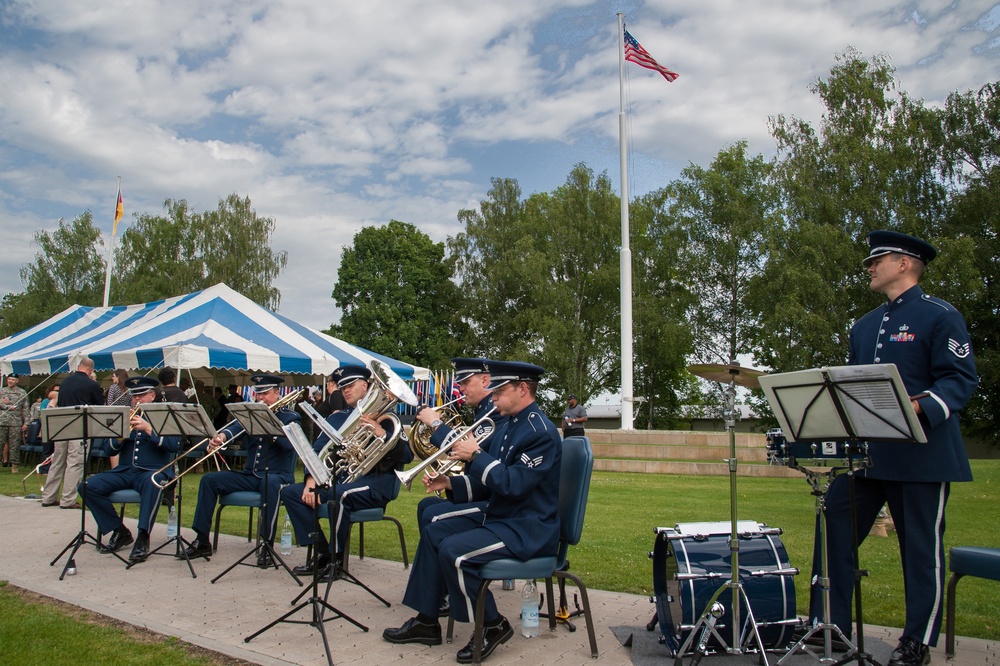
<point>274,453</point>
<point>928,341</point>
<point>521,482</point>
<point>373,490</point>
<point>139,455</point>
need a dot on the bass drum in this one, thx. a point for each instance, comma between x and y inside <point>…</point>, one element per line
<point>693,560</point>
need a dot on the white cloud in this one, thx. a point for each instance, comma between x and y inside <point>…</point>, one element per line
<point>332,116</point>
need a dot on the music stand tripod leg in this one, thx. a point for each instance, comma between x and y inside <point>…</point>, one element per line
<point>317,605</point>
<point>180,543</point>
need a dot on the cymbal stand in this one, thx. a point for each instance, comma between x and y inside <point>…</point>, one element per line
<point>743,638</point>
<point>318,605</point>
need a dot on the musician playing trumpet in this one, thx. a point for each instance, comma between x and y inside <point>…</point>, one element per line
<point>274,453</point>
<point>139,455</point>
<point>373,490</point>
<point>473,379</point>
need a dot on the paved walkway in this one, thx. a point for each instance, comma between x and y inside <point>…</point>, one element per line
<point>161,595</point>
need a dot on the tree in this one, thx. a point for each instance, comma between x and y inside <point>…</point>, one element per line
<point>540,280</point>
<point>873,164</point>
<point>68,269</point>
<point>181,252</point>
<point>395,289</point>
<point>660,303</point>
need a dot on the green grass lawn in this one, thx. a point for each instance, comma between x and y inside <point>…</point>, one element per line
<point>624,509</point>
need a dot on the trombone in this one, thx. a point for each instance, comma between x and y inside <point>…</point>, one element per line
<point>434,465</point>
<point>284,401</point>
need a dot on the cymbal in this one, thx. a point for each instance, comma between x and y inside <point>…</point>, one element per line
<point>719,372</point>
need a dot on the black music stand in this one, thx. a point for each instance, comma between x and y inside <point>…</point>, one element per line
<point>853,403</point>
<point>321,475</point>
<point>83,422</point>
<point>181,420</point>
<point>258,420</point>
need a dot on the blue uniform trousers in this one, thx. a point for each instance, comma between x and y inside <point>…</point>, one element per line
<point>214,484</point>
<point>100,486</point>
<point>448,558</point>
<point>350,497</point>
<point>918,510</point>
<point>434,508</point>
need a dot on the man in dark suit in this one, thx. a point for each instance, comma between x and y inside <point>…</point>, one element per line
<point>139,455</point>
<point>276,454</point>
<point>927,340</point>
<point>68,457</point>
<point>521,481</point>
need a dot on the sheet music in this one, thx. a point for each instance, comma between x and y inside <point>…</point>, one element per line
<point>317,469</point>
<point>872,398</point>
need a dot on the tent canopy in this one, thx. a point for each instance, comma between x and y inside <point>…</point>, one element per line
<point>216,328</point>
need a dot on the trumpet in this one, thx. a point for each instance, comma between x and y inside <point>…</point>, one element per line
<point>290,398</point>
<point>434,465</point>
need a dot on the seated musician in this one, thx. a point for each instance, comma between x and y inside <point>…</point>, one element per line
<point>274,453</point>
<point>473,381</point>
<point>139,455</point>
<point>520,478</point>
<point>373,490</point>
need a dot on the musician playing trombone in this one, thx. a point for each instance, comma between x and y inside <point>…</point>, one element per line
<point>276,454</point>
<point>139,455</point>
<point>473,379</point>
<point>373,490</point>
<point>520,478</point>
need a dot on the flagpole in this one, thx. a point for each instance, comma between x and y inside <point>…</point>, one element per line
<point>111,245</point>
<point>625,257</point>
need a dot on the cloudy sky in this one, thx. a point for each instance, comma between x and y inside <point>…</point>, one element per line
<point>332,116</point>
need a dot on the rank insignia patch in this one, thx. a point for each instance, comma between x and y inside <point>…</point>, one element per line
<point>959,350</point>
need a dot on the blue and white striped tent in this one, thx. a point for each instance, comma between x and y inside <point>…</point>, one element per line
<point>216,328</point>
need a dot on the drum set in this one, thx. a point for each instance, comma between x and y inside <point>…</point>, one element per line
<point>728,587</point>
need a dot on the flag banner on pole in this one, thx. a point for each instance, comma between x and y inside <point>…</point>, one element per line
<point>635,53</point>
<point>119,211</point>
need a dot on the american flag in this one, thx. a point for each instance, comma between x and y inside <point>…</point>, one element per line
<point>635,53</point>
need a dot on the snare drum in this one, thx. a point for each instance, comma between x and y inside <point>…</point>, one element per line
<point>693,560</point>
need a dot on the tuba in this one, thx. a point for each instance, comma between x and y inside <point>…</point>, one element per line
<point>359,449</point>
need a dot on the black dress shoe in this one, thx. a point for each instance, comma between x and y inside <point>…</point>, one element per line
<point>140,551</point>
<point>331,572</point>
<point>413,631</point>
<point>120,538</point>
<point>264,559</point>
<point>199,548</point>
<point>307,568</point>
<point>910,652</point>
<point>492,637</point>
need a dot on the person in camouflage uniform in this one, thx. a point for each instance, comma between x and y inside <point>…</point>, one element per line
<point>13,421</point>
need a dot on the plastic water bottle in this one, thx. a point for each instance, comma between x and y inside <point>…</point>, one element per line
<point>172,523</point>
<point>508,583</point>
<point>529,609</point>
<point>286,536</point>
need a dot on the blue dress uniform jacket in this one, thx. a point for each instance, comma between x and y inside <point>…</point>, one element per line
<point>279,458</point>
<point>436,508</point>
<point>521,482</point>
<point>139,455</point>
<point>927,340</point>
<point>373,490</point>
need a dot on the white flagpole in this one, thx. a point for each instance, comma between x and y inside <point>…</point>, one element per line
<point>111,245</point>
<point>626,252</point>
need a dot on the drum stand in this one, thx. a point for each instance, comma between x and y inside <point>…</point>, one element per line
<point>743,640</point>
